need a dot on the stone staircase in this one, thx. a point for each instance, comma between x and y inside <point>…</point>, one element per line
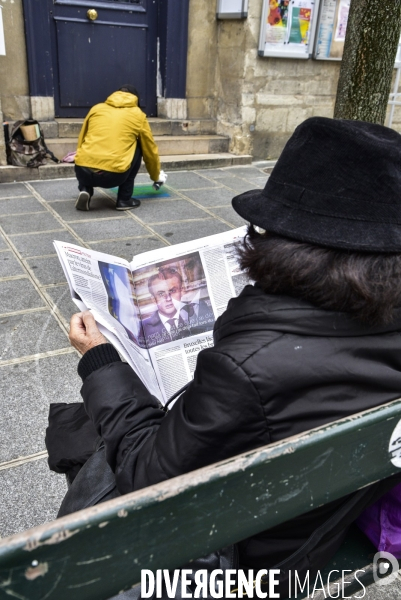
<point>183,144</point>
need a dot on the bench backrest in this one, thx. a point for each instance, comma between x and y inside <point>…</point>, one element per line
<point>97,552</point>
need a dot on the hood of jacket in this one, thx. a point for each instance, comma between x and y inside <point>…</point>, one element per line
<point>254,310</point>
<point>122,100</point>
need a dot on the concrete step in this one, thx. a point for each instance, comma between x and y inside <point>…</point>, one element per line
<point>65,128</point>
<point>181,162</point>
<point>167,144</point>
<point>202,161</point>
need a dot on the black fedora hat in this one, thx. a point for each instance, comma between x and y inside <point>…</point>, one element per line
<point>337,183</point>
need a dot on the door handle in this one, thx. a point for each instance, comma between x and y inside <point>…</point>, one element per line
<point>92,14</point>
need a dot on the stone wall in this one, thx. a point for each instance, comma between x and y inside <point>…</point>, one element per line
<point>257,101</point>
<point>14,88</point>
<point>201,65</point>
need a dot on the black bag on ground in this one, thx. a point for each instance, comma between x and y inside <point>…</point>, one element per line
<point>94,483</point>
<point>71,438</point>
<point>24,153</point>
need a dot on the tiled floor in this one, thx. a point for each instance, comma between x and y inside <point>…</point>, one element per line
<point>37,364</point>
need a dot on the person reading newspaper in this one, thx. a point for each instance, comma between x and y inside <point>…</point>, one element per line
<point>314,339</point>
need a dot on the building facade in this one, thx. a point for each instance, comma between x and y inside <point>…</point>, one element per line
<point>63,56</point>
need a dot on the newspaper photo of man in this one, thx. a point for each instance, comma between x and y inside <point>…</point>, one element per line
<point>174,300</point>
<point>196,309</point>
<point>121,299</point>
<point>166,323</point>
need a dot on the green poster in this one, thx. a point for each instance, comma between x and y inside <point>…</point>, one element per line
<point>295,32</point>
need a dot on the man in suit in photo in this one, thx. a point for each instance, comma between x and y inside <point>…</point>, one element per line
<point>165,324</point>
<point>196,311</point>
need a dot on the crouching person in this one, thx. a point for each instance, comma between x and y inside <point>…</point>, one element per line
<point>315,339</point>
<point>113,139</point>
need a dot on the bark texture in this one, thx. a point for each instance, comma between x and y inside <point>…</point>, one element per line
<point>373,33</point>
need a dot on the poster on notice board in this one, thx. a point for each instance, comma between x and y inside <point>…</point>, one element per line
<point>287,28</point>
<point>331,29</point>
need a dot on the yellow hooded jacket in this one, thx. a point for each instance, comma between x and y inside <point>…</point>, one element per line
<point>109,136</point>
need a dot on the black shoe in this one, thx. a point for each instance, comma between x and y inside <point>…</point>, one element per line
<point>127,204</point>
<point>83,200</point>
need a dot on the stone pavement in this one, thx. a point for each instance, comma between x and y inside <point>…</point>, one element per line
<point>37,364</point>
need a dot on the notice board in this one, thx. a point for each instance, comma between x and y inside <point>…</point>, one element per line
<point>331,29</point>
<point>288,28</point>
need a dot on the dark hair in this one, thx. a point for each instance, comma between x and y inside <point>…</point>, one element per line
<point>367,286</point>
<point>130,89</point>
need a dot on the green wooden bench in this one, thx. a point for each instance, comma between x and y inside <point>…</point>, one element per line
<point>95,553</point>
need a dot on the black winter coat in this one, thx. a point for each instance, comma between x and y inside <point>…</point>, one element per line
<point>279,366</point>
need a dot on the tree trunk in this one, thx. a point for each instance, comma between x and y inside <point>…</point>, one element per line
<point>370,48</point>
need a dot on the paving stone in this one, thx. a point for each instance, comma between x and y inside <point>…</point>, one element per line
<point>100,206</point>
<point>112,193</point>
<point>67,189</point>
<point>30,333</point>
<point>176,233</point>
<point>229,214</point>
<point>140,179</point>
<point>211,197</point>
<point>61,297</point>
<point>212,173</point>
<point>108,229</point>
<point>188,180</point>
<point>244,172</point>
<point>236,184</point>
<point>128,248</point>
<point>380,592</point>
<point>47,270</point>
<point>258,182</point>
<point>58,189</point>
<point>12,189</point>
<point>29,495</point>
<point>34,244</point>
<point>9,265</point>
<point>143,178</point>
<point>172,195</point>
<point>264,164</point>
<point>32,223</point>
<point>25,403</point>
<point>3,243</point>
<point>12,206</point>
<point>374,591</point>
<point>157,211</point>
<point>18,294</point>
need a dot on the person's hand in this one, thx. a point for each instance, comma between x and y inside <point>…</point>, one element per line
<point>162,177</point>
<point>160,180</point>
<point>84,333</point>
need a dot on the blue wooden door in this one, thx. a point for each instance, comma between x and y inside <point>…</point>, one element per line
<point>99,46</point>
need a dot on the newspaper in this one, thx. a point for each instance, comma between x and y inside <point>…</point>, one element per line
<point>159,310</point>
